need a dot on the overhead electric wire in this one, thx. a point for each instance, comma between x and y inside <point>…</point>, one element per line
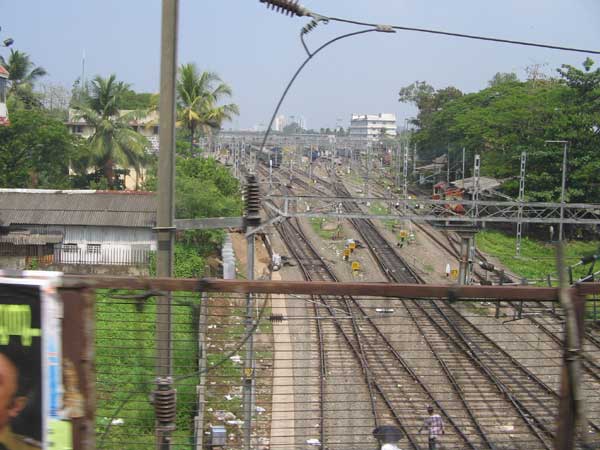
<point>468,36</point>
<point>306,61</point>
<point>293,8</point>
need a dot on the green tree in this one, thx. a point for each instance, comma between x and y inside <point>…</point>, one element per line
<point>503,77</point>
<point>203,188</point>
<point>113,141</point>
<point>292,128</point>
<point>34,151</point>
<point>511,116</point>
<point>198,95</point>
<point>22,77</point>
<point>431,105</point>
<point>132,100</point>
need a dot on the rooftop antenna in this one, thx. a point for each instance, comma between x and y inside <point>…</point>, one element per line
<point>82,86</point>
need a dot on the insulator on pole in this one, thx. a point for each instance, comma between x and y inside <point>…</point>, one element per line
<point>287,7</point>
<point>165,403</point>
<point>487,266</point>
<point>252,200</point>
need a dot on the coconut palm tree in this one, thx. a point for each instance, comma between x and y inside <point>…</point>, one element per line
<point>197,98</point>
<point>22,71</point>
<point>113,142</point>
<point>22,76</point>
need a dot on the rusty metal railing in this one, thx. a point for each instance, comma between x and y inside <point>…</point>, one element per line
<point>522,401</point>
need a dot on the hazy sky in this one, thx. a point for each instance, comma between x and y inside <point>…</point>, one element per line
<point>256,50</point>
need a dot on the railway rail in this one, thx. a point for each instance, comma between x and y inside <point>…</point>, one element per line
<point>551,327</point>
<point>535,402</point>
<point>378,358</point>
<point>377,355</point>
<point>470,417</point>
<point>452,339</point>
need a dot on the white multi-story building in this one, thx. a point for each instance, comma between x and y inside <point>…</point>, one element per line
<point>301,121</point>
<point>279,123</point>
<point>371,126</point>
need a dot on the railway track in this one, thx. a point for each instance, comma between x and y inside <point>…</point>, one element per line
<point>481,428</point>
<point>379,360</point>
<point>552,327</point>
<point>483,376</point>
<point>534,401</point>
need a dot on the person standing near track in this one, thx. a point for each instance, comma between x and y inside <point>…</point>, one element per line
<point>435,426</point>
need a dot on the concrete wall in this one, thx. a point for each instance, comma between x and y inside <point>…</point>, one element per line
<point>72,269</point>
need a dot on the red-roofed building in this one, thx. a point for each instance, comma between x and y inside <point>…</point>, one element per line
<point>3,93</point>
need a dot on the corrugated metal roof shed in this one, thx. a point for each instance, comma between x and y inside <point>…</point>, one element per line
<point>92,208</point>
<point>30,239</point>
<point>485,183</point>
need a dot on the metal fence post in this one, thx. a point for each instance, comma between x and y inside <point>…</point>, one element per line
<point>202,365</point>
<point>571,407</point>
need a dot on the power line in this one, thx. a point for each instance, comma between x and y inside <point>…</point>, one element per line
<point>470,36</point>
<point>306,61</point>
<point>293,8</point>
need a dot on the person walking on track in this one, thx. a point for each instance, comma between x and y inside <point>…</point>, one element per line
<point>435,426</point>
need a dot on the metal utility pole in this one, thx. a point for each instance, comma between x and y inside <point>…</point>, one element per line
<point>463,167</point>
<point>414,160</point>
<point>252,220</point>
<point>398,164</point>
<point>405,176</point>
<point>368,169</point>
<point>563,185</point>
<point>236,169</point>
<point>270,173</point>
<point>521,200</point>
<point>166,211</point>
<point>448,165</point>
<point>562,191</point>
<point>476,167</point>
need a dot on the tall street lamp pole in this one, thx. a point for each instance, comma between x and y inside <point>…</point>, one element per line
<point>563,185</point>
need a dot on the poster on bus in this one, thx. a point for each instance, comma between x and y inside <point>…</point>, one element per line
<point>31,363</point>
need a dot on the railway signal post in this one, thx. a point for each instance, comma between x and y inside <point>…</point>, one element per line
<point>467,235</point>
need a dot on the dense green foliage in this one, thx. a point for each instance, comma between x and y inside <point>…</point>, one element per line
<point>131,100</point>
<point>203,188</point>
<point>511,116</point>
<point>34,151</point>
<point>293,128</point>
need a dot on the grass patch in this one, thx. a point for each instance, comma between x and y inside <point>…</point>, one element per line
<point>125,363</point>
<point>381,209</point>
<point>354,177</point>
<point>317,225</point>
<point>125,360</point>
<point>538,259</point>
